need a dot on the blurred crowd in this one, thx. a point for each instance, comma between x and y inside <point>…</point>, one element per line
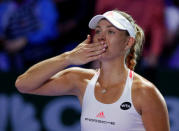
<point>33,30</point>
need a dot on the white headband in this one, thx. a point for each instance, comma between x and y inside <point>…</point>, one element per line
<point>116,19</point>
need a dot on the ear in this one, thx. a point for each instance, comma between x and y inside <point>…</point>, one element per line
<point>130,43</point>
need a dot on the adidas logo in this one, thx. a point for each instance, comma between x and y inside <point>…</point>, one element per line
<point>100,115</point>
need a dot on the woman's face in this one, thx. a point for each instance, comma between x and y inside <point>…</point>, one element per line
<point>115,39</point>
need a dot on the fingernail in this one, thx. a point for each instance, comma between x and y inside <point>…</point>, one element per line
<point>102,42</point>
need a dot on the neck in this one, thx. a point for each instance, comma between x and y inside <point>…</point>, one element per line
<point>113,72</point>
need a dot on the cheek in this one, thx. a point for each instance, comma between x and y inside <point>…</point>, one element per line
<point>113,43</point>
<point>117,46</point>
<point>94,39</point>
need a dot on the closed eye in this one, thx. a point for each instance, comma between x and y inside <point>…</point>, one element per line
<point>97,31</point>
<point>111,32</point>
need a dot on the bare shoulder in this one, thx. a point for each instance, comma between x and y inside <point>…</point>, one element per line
<point>146,90</point>
<point>150,103</point>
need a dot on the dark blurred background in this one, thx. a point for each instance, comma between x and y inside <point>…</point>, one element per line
<point>34,30</point>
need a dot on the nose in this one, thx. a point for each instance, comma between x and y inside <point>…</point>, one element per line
<point>101,37</point>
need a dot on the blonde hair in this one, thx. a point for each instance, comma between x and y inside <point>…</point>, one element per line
<point>135,51</point>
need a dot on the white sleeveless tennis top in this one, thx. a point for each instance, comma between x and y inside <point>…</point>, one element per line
<point>118,116</point>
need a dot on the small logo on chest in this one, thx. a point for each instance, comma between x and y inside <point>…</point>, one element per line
<point>125,105</point>
<point>100,115</point>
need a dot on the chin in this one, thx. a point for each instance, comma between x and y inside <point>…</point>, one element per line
<point>105,56</point>
<point>108,56</point>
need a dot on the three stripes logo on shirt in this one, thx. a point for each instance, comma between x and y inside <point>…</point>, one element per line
<point>100,115</point>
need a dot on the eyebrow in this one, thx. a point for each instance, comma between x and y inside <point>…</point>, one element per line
<point>110,26</point>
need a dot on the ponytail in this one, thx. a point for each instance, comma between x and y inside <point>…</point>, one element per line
<point>135,51</point>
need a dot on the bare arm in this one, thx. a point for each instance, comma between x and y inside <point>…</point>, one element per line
<point>42,78</point>
<point>154,110</point>
<point>41,73</point>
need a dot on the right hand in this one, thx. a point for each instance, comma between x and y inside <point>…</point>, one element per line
<point>86,52</point>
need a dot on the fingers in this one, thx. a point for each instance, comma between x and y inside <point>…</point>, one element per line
<point>88,40</point>
<point>97,47</point>
<point>94,49</point>
<point>97,52</point>
<point>93,58</point>
<point>87,51</point>
<point>95,44</point>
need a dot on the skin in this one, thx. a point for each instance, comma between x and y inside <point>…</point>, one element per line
<point>109,46</point>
